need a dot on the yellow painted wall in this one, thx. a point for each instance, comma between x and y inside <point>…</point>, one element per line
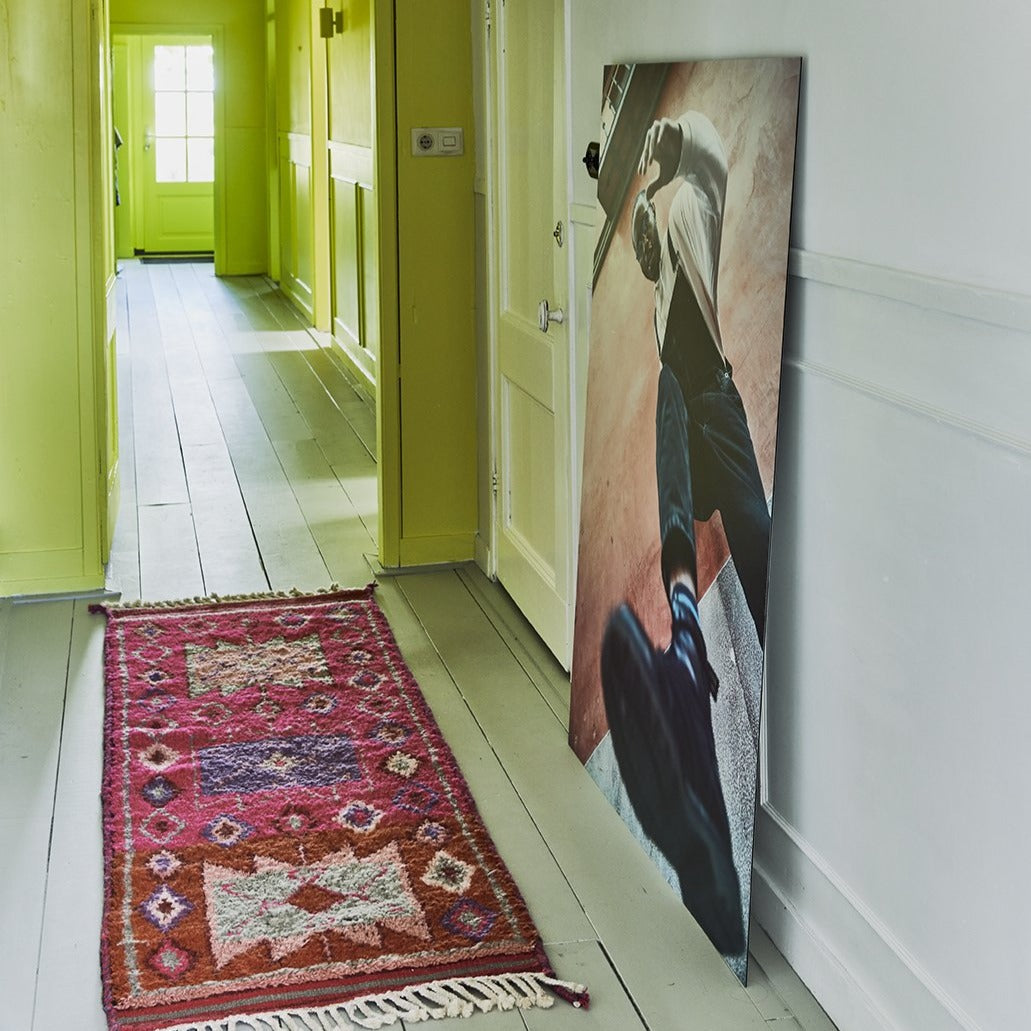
<point>437,284</point>
<point>54,267</point>
<point>242,25</point>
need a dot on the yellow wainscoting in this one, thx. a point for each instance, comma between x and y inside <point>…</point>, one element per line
<point>296,250</point>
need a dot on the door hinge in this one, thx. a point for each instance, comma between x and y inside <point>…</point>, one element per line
<point>494,483</point>
<point>487,15</point>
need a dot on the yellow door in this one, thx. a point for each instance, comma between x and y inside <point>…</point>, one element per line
<point>531,388</point>
<point>179,144</point>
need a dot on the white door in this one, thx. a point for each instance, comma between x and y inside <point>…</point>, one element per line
<point>531,377</point>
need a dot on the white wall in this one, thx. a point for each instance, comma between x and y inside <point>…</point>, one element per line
<point>894,824</point>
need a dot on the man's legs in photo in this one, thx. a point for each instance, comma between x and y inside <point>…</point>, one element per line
<point>726,477</point>
<point>659,709</point>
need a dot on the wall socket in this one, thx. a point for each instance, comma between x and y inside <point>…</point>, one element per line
<point>437,142</point>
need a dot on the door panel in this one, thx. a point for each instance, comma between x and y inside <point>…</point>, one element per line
<point>179,144</point>
<point>533,511</point>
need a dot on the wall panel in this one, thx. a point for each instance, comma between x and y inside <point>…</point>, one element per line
<point>296,254</point>
<point>887,848</point>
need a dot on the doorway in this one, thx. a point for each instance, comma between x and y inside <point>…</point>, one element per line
<point>166,109</point>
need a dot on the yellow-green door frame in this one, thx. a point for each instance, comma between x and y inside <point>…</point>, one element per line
<point>322,271</point>
<point>388,366</point>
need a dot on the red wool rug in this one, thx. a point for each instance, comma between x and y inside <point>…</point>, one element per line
<point>289,844</point>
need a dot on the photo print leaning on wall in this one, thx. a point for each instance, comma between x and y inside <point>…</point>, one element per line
<point>683,382</point>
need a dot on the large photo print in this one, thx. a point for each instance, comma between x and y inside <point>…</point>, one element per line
<point>687,323</point>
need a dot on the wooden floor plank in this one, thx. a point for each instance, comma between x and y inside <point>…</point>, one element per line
<point>289,553</point>
<point>229,556</point>
<point>359,414</point>
<point>279,413</point>
<point>785,992</point>
<point>693,987</point>
<point>610,1009</point>
<point>335,524</point>
<point>123,571</point>
<point>160,478</point>
<point>169,560</point>
<point>69,974</point>
<point>32,691</point>
<point>550,679</point>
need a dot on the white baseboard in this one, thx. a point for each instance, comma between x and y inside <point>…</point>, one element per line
<point>854,966</point>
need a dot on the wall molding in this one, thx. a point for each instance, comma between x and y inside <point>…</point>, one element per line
<point>817,950</point>
<point>351,163</point>
<point>952,297</point>
<point>909,402</point>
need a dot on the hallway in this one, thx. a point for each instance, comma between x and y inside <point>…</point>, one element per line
<point>248,465</point>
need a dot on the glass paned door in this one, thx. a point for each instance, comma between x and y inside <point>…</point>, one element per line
<point>180,145</point>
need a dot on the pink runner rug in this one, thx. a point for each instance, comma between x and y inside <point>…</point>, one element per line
<point>289,844</point>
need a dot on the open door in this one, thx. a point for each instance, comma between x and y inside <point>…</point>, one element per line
<point>165,103</point>
<point>531,381</point>
<point>178,167</point>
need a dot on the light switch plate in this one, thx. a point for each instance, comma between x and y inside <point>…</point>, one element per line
<point>438,142</point>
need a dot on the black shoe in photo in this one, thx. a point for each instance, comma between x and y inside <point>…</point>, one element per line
<point>660,721</point>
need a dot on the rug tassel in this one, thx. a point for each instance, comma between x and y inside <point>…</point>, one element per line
<point>435,1000</point>
<point>319,593</point>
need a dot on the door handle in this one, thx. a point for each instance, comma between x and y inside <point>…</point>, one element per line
<point>545,316</point>
<point>148,138</point>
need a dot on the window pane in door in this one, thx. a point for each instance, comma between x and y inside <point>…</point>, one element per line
<point>201,154</point>
<point>170,114</point>
<point>200,68</point>
<point>169,68</point>
<point>170,160</point>
<point>200,114</point>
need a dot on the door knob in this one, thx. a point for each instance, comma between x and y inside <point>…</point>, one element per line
<point>545,316</point>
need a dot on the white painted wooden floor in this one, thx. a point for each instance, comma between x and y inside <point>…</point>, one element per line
<point>248,465</point>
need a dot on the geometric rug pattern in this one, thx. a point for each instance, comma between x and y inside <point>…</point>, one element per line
<point>289,843</point>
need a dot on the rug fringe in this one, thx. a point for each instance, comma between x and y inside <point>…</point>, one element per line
<point>432,1001</point>
<point>224,599</point>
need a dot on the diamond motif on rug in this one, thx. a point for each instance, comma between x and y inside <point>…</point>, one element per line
<point>226,831</point>
<point>171,960</point>
<point>449,873</point>
<point>402,764</point>
<point>165,908</point>
<point>161,827</point>
<point>164,864</point>
<point>416,798</point>
<point>359,817</point>
<point>158,756</point>
<point>470,919</point>
<point>159,791</point>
